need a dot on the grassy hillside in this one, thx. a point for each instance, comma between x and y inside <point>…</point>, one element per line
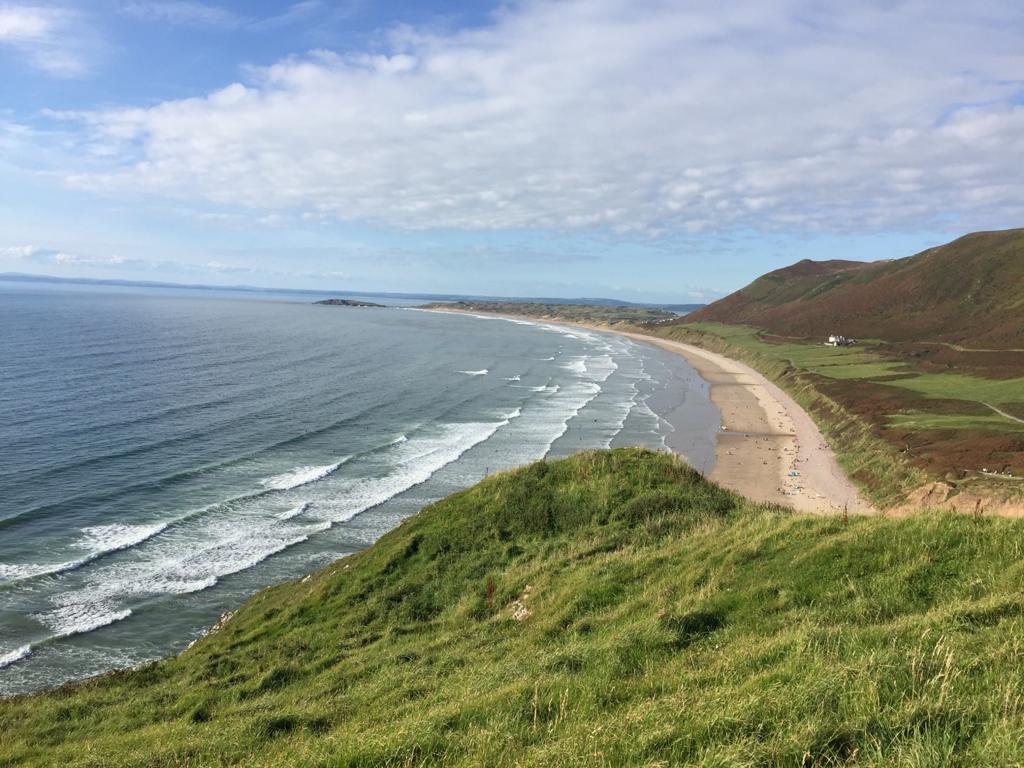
<point>608,609</point>
<point>969,293</point>
<point>578,313</point>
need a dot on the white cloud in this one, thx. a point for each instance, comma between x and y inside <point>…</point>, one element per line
<point>198,14</point>
<point>24,23</point>
<point>61,258</point>
<point>17,251</point>
<point>219,266</point>
<point>298,11</point>
<point>607,114</point>
<point>48,38</point>
<point>183,12</point>
<point>56,261</point>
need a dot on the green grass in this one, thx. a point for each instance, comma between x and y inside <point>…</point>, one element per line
<point>918,420</point>
<point>971,388</point>
<point>860,363</point>
<point>671,623</point>
<point>835,362</point>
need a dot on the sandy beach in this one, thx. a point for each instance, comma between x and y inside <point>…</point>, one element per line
<point>769,448</point>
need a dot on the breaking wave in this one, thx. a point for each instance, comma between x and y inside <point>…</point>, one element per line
<point>299,476</point>
<point>16,655</point>
<point>100,540</point>
<point>77,619</point>
<point>294,512</point>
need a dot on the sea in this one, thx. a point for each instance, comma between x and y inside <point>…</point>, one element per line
<point>165,453</point>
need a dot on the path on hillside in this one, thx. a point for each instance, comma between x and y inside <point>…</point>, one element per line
<point>1004,414</point>
<point>959,348</point>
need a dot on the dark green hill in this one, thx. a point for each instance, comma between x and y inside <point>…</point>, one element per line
<point>611,609</point>
<point>969,292</point>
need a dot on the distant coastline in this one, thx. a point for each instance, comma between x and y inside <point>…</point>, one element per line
<point>411,297</point>
<point>603,314</point>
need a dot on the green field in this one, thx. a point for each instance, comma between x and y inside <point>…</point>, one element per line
<point>610,609</point>
<point>970,388</point>
<point>835,362</point>
<point>944,421</point>
<point>861,362</point>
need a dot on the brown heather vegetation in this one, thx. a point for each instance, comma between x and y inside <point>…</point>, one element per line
<point>969,293</point>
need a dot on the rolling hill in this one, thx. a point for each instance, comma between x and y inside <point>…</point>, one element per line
<point>969,292</point>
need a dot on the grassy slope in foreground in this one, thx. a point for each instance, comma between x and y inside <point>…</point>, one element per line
<point>669,623</point>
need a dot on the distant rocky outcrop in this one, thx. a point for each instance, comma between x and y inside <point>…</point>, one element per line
<point>347,303</point>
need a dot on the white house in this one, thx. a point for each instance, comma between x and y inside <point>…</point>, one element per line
<point>839,341</point>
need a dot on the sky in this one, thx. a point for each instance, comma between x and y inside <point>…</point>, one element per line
<point>648,151</point>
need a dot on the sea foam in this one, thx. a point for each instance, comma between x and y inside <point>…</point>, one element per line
<point>17,654</point>
<point>299,476</point>
<point>294,512</point>
<point>79,618</point>
<point>415,462</point>
<point>100,540</point>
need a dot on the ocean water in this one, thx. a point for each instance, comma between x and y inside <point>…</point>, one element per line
<point>164,454</point>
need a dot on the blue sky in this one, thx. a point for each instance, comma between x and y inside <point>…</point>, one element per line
<point>659,151</point>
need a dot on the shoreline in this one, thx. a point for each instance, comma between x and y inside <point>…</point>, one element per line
<point>768,448</point>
